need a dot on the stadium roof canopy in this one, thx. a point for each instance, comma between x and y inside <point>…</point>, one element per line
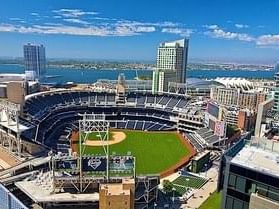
<point>241,83</point>
<point>200,83</point>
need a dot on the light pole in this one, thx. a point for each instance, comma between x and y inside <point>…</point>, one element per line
<point>173,190</point>
<point>187,183</point>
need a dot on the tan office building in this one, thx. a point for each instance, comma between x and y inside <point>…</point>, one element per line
<point>118,195</point>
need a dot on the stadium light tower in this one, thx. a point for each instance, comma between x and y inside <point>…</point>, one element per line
<point>173,190</point>
<point>93,123</point>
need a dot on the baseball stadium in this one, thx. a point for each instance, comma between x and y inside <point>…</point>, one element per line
<point>74,141</point>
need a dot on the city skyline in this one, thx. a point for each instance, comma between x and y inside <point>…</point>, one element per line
<point>219,30</point>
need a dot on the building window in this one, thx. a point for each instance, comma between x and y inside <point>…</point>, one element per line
<point>229,203</point>
<point>234,203</point>
<point>238,204</point>
<point>232,180</point>
<point>240,184</point>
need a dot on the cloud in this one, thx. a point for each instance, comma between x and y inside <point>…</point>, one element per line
<point>145,29</point>
<point>263,41</point>
<point>77,21</point>
<point>101,18</point>
<point>212,27</point>
<point>167,24</point>
<point>216,32</point>
<point>102,30</point>
<point>89,23</point>
<point>6,28</point>
<point>73,13</point>
<point>268,40</point>
<point>185,32</point>
<point>55,29</point>
<point>129,28</point>
<point>240,26</point>
<point>220,33</point>
<point>15,19</point>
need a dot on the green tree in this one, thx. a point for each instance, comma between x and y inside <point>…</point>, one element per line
<point>231,130</point>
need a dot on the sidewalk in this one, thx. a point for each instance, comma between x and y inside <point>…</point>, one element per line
<point>203,193</point>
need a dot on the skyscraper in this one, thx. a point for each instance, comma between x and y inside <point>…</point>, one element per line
<point>34,60</point>
<point>171,64</point>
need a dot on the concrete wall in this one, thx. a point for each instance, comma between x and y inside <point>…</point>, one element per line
<point>16,91</point>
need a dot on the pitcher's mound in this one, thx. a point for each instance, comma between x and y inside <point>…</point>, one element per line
<point>117,137</point>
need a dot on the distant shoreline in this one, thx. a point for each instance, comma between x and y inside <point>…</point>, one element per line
<point>143,68</point>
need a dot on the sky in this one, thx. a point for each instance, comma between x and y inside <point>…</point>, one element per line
<point>219,30</point>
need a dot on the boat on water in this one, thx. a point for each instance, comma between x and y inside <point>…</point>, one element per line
<point>52,76</point>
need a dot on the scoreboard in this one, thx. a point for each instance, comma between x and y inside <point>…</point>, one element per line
<point>94,163</point>
<point>121,163</point>
<point>91,164</point>
<point>70,165</point>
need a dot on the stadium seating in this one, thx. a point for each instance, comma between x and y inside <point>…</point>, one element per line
<point>195,141</point>
<point>50,113</point>
<point>38,104</point>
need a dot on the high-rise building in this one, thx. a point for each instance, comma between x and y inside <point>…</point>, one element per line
<point>171,64</point>
<point>276,67</point>
<point>276,93</point>
<point>237,97</point>
<point>249,175</point>
<point>34,60</point>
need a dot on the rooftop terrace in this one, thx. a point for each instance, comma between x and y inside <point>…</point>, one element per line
<point>260,155</point>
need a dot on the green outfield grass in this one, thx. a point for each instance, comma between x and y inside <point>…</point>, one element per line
<point>154,151</point>
<point>213,202</point>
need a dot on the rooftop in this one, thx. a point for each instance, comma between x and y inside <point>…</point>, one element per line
<point>260,157</point>
<point>201,83</point>
<point>181,43</point>
<point>115,189</point>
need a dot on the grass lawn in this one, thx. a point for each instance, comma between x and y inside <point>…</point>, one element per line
<point>194,182</point>
<point>154,151</point>
<point>213,202</point>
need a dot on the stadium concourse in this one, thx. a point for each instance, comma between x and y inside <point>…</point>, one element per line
<point>50,119</point>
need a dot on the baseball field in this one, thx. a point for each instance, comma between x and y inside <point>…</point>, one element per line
<point>155,152</point>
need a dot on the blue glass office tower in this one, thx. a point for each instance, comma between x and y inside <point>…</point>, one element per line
<point>34,60</point>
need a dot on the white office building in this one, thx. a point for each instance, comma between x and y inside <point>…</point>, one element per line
<point>171,64</point>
